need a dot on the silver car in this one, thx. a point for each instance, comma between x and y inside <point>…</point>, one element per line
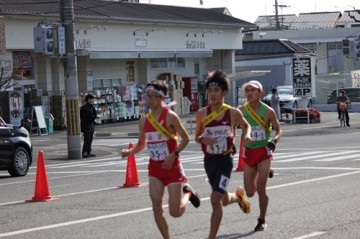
<point>288,101</point>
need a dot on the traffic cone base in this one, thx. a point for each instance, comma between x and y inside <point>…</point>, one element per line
<point>131,179</point>
<point>42,192</point>
<point>241,162</point>
<point>137,185</point>
<point>42,199</point>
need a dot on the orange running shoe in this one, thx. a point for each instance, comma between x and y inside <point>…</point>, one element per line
<point>243,203</point>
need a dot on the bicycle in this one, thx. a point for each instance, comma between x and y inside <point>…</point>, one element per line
<point>343,109</point>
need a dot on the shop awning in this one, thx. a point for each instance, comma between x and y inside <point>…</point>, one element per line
<point>150,54</point>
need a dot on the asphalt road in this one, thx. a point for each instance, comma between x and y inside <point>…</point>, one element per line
<point>314,193</point>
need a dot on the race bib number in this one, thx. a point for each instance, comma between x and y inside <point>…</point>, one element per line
<point>258,133</point>
<point>158,151</point>
<point>219,147</point>
<point>224,182</point>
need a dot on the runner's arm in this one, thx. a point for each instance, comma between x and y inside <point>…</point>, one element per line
<point>175,123</point>
<point>198,128</point>
<point>140,144</point>
<point>239,119</point>
<point>275,123</point>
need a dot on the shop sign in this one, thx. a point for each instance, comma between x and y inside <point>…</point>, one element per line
<point>302,77</point>
<point>83,44</point>
<point>194,44</point>
<point>140,42</point>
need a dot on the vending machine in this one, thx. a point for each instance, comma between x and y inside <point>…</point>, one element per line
<point>191,91</point>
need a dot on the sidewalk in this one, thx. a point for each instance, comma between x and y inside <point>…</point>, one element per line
<point>55,148</point>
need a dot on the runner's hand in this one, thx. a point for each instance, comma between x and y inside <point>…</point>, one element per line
<point>208,141</point>
<point>124,153</point>
<point>247,140</point>
<point>272,145</point>
<point>168,162</point>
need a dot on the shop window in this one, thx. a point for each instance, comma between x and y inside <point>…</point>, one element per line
<point>180,62</point>
<point>162,63</point>
<point>197,68</point>
<point>168,63</point>
<point>172,63</point>
<point>97,83</point>
<point>116,82</point>
<point>154,63</point>
<point>107,82</point>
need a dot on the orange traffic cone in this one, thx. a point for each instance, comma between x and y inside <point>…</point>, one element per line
<point>131,179</point>
<point>241,162</point>
<point>42,193</point>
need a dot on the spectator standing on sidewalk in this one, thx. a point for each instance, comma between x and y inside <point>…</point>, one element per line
<point>158,130</point>
<point>275,103</point>
<point>87,119</point>
<point>258,154</point>
<point>215,131</point>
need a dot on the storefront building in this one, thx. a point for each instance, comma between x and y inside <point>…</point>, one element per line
<point>119,48</point>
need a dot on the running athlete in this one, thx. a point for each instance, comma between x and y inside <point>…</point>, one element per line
<point>258,154</point>
<point>215,129</point>
<point>158,130</point>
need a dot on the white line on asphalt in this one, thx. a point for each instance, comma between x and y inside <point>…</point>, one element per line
<point>313,180</point>
<point>80,173</point>
<point>314,234</point>
<point>296,155</point>
<point>296,158</point>
<point>91,219</point>
<point>338,158</point>
<point>317,168</point>
<point>57,225</point>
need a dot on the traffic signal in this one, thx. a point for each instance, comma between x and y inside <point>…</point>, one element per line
<point>346,46</point>
<point>44,39</point>
<point>49,40</point>
<point>357,49</point>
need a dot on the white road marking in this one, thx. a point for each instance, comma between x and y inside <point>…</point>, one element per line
<point>338,158</point>
<point>90,219</point>
<point>296,158</point>
<point>314,234</point>
<point>297,155</point>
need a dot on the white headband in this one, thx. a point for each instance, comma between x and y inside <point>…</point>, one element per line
<point>152,88</point>
<point>213,84</point>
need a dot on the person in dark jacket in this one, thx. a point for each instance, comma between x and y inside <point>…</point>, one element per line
<point>87,118</point>
<point>343,98</point>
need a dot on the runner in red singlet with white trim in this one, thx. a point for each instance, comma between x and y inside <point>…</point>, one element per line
<point>158,131</point>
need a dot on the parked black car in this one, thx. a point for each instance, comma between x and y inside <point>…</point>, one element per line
<point>15,149</point>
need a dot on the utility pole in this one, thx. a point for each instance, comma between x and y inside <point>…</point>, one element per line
<point>277,16</point>
<point>71,81</point>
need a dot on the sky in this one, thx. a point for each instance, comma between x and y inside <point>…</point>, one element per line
<point>249,11</point>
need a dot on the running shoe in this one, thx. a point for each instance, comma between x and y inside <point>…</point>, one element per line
<point>261,226</point>
<point>243,203</point>
<point>194,197</point>
<point>271,173</point>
